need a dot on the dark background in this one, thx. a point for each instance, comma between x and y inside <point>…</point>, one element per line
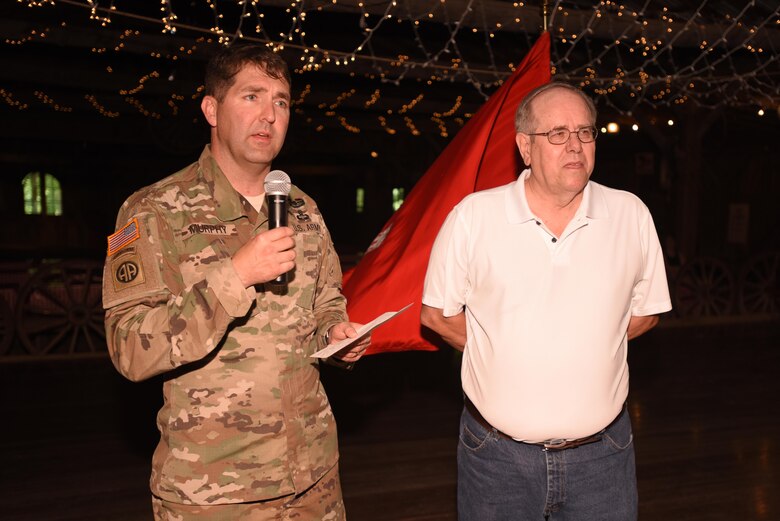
<point>77,438</point>
<point>718,153</point>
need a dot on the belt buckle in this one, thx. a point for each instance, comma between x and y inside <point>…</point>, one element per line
<point>554,444</point>
<point>558,444</point>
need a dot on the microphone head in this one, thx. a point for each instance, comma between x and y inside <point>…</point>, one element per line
<point>277,183</point>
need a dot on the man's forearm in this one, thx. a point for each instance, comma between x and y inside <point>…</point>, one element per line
<point>451,329</point>
<point>641,325</point>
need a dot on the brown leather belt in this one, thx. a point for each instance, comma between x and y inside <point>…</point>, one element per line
<point>546,445</point>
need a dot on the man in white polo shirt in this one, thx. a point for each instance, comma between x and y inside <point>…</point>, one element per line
<point>541,283</point>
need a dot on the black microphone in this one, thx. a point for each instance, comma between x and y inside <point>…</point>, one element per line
<point>277,187</point>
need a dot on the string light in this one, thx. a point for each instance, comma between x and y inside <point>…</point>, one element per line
<point>140,86</point>
<point>385,126</point>
<point>442,127</point>
<point>95,12</point>
<point>409,106</point>
<point>37,3</point>
<point>9,99</point>
<point>100,108</point>
<point>645,63</point>
<point>452,111</point>
<point>33,35</point>
<point>411,126</point>
<point>374,98</point>
<point>46,100</point>
<point>347,126</point>
<point>139,106</point>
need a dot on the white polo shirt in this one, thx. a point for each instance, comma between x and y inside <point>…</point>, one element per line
<point>546,318</point>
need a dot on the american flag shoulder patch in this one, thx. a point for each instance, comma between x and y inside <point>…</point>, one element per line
<point>124,236</point>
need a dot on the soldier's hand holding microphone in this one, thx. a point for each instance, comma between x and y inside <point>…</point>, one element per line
<point>269,255</point>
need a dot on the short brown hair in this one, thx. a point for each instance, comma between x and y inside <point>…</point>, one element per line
<point>228,61</point>
<point>524,116</point>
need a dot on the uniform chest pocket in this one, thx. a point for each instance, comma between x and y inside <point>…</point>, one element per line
<point>199,255</point>
<point>303,280</point>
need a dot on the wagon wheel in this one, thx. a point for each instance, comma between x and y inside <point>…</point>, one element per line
<point>704,287</point>
<point>60,311</point>
<point>6,326</point>
<point>759,284</point>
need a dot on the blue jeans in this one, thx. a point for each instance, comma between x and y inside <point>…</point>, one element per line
<point>501,479</point>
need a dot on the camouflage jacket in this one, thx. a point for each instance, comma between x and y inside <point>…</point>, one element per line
<point>245,416</point>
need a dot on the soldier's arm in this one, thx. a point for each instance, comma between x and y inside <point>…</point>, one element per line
<point>154,322</point>
<point>330,306</point>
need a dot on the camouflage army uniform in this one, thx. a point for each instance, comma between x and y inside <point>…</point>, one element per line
<point>245,417</point>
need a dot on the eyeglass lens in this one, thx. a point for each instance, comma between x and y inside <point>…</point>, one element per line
<point>561,135</point>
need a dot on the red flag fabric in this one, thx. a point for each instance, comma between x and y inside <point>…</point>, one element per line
<point>482,155</point>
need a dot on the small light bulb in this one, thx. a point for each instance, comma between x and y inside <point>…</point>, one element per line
<point>634,127</point>
<point>670,122</point>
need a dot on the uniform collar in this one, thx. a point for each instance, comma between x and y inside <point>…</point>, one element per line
<point>228,202</point>
<point>231,205</point>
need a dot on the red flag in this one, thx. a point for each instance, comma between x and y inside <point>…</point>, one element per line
<point>482,155</point>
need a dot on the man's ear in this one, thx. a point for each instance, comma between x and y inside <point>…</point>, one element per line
<point>524,146</point>
<point>209,108</point>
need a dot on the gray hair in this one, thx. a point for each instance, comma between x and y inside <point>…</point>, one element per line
<point>524,116</point>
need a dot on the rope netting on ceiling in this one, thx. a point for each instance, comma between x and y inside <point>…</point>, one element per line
<point>629,54</point>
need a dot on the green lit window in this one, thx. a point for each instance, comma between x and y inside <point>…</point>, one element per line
<point>360,200</point>
<point>42,194</point>
<point>398,198</point>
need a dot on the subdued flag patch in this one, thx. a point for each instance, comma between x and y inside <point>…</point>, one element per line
<point>126,235</point>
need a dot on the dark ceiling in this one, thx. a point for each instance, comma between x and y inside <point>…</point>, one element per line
<point>107,96</point>
<point>397,77</point>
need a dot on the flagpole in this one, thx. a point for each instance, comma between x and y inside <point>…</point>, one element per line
<point>545,12</point>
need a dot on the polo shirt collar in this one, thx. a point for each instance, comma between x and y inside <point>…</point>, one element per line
<point>517,209</point>
<point>593,205</point>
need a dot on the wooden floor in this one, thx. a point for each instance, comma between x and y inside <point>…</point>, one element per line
<point>76,438</point>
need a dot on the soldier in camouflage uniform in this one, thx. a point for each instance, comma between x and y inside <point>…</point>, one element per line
<point>246,428</point>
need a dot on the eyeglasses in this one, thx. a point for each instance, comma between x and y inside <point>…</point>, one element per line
<point>559,136</point>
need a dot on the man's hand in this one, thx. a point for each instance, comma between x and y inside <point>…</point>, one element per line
<point>342,330</point>
<point>266,256</point>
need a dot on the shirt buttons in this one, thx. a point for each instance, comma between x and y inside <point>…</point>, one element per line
<point>554,239</point>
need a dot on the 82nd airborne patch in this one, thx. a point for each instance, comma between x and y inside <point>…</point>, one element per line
<point>127,270</point>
